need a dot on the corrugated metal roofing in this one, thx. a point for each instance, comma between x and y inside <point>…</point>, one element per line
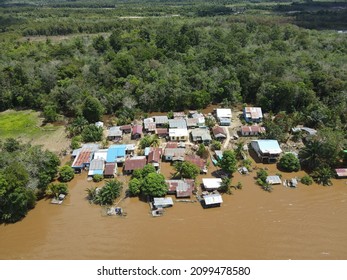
<point>162,201</point>
<point>115,131</point>
<point>134,163</point>
<point>268,146</point>
<point>178,123</point>
<point>97,164</point>
<point>114,152</point>
<point>137,129</point>
<point>161,119</point>
<point>110,169</point>
<point>273,180</point>
<point>223,113</point>
<point>219,131</point>
<point>198,161</point>
<point>253,113</point>
<point>211,199</point>
<point>83,158</point>
<point>211,183</point>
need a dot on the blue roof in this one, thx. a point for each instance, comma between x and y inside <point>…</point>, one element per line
<point>115,151</point>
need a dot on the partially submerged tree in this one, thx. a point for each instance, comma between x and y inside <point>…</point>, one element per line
<point>228,163</point>
<point>186,170</point>
<point>289,162</point>
<point>66,173</point>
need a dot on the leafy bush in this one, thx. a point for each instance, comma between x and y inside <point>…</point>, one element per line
<point>66,173</point>
<point>98,178</point>
<point>307,180</point>
<point>289,162</point>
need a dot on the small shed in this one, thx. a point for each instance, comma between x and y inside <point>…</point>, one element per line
<point>99,124</point>
<point>213,200</point>
<point>273,180</point>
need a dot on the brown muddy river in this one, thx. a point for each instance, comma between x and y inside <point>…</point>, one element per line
<point>304,223</point>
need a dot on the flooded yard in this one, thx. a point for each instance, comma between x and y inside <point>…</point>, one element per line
<point>303,223</point>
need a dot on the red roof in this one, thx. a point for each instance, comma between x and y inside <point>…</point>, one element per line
<point>137,129</point>
<point>161,131</point>
<point>182,188</point>
<point>219,130</point>
<point>83,158</point>
<point>201,163</point>
<point>109,169</point>
<point>154,155</point>
<point>171,145</point>
<point>252,128</point>
<point>131,164</point>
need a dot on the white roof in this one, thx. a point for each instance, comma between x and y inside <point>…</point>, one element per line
<point>101,154</point>
<point>273,180</point>
<point>162,201</point>
<point>267,146</point>
<point>99,124</point>
<point>213,199</point>
<point>178,132</point>
<point>211,183</point>
<point>224,113</point>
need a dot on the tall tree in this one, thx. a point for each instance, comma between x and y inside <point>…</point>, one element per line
<point>92,109</point>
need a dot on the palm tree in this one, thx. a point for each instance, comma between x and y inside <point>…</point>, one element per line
<point>311,155</point>
<point>91,194</point>
<point>225,185</point>
<point>155,141</point>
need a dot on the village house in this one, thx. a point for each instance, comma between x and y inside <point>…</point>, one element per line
<point>161,121</point>
<point>126,128</point>
<point>99,124</point>
<point>116,153</point>
<point>181,188</point>
<point>162,202</point>
<point>211,184</point>
<point>136,132</point>
<point>154,157</point>
<point>252,130</point>
<point>192,123</point>
<point>198,161</point>
<point>201,135</point>
<point>177,123</point>
<point>224,116</point>
<point>178,134</point>
<point>96,167</point>
<point>83,157</point>
<point>200,118</point>
<point>219,133</point>
<point>253,114</point>
<point>114,133</point>
<point>212,200</point>
<point>174,154</point>
<point>267,150</point>
<point>149,125</point>
<point>110,170</point>
<point>132,163</point>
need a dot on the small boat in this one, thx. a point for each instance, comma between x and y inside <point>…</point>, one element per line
<point>214,161</point>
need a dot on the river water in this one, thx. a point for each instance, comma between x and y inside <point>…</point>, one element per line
<point>308,222</point>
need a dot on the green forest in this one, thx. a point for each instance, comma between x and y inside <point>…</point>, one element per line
<point>82,59</point>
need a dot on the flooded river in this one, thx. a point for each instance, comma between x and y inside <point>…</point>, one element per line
<point>304,223</point>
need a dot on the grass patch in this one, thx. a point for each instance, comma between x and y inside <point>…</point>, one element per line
<point>26,124</point>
